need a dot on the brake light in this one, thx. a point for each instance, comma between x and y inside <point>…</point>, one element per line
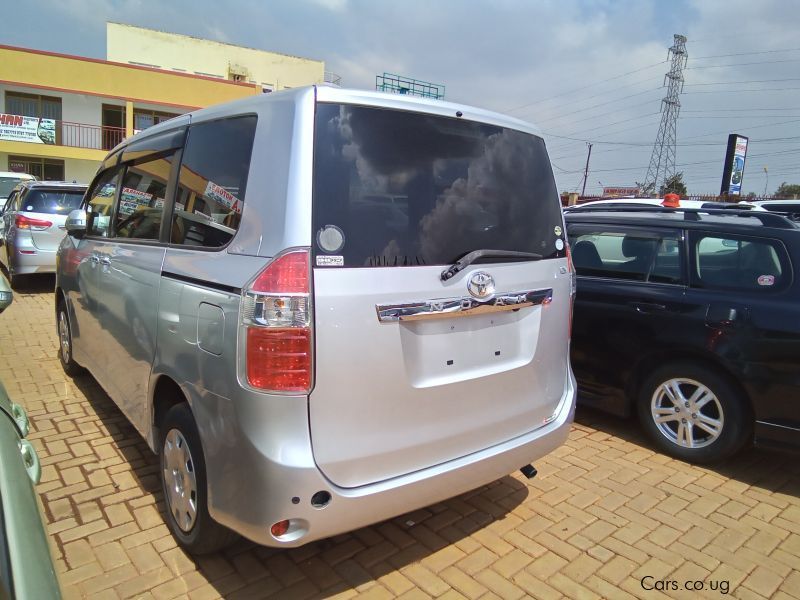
<point>23,222</point>
<point>276,316</point>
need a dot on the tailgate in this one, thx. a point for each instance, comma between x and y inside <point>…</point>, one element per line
<point>395,397</point>
<point>49,238</point>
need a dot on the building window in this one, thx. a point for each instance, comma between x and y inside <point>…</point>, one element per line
<point>142,118</point>
<point>46,169</point>
<point>113,125</point>
<point>33,105</point>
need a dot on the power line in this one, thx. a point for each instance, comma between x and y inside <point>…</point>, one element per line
<point>586,87</point>
<point>741,82</point>
<point>763,62</point>
<point>613,101</point>
<point>745,53</point>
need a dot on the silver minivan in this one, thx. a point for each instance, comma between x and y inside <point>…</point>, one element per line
<point>32,225</point>
<point>323,308</point>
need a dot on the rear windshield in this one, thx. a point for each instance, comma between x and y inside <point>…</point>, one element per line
<point>53,202</point>
<point>6,185</point>
<point>394,188</point>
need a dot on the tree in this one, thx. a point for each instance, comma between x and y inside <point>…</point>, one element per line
<point>646,190</point>
<point>673,185</point>
<point>788,190</point>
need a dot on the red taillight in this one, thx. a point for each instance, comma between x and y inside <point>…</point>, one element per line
<point>279,358</point>
<point>287,274</point>
<point>276,315</point>
<point>23,222</point>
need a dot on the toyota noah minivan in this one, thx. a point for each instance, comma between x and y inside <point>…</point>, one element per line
<point>323,308</point>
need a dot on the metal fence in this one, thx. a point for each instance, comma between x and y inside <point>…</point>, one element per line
<point>81,135</point>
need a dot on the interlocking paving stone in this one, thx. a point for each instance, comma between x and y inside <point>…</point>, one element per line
<point>605,511</point>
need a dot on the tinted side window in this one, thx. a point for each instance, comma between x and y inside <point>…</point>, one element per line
<point>142,198</point>
<point>100,200</point>
<point>213,181</point>
<point>726,262</point>
<point>635,255</point>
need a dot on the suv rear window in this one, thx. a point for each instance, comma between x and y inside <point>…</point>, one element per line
<point>54,201</point>
<point>396,188</point>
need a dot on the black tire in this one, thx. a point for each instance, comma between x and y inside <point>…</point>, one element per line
<point>718,424</point>
<point>203,535</point>
<point>64,334</point>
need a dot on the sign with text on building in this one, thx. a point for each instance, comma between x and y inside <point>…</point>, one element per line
<point>621,191</point>
<point>733,173</point>
<point>222,196</point>
<point>17,128</point>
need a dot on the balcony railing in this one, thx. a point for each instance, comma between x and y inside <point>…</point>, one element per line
<point>81,135</point>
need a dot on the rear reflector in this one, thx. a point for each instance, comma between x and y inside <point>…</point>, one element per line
<point>27,251</point>
<point>276,317</point>
<point>23,222</point>
<point>280,528</point>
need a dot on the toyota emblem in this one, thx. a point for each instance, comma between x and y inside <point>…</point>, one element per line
<point>481,285</point>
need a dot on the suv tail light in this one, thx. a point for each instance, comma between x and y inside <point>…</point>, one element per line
<point>23,222</point>
<point>276,318</point>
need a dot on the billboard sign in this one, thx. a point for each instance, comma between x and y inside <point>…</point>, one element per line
<point>621,191</point>
<point>733,173</point>
<point>17,128</point>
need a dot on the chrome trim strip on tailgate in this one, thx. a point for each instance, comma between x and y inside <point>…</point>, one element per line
<point>443,308</point>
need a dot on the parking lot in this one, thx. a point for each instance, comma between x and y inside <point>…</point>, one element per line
<point>606,517</point>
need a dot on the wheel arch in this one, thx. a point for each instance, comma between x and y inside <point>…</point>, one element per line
<point>166,393</point>
<point>649,362</point>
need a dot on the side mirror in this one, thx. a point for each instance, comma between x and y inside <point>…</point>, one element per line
<point>76,223</point>
<point>6,295</point>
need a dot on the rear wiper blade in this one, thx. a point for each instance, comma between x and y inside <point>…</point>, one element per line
<point>466,260</point>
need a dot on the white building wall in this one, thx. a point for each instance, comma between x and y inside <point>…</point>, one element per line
<point>75,108</point>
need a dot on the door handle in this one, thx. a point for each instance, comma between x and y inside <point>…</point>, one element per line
<point>105,261</point>
<point>94,258</point>
<point>648,307</point>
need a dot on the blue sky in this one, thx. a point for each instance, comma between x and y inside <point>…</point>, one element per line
<point>549,62</point>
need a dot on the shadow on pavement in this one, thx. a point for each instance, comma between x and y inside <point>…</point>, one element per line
<point>773,471</point>
<point>43,283</point>
<point>325,567</point>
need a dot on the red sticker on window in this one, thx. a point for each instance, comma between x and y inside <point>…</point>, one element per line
<point>766,280</point>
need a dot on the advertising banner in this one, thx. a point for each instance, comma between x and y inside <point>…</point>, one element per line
<point>17,128</point>
<point>222,196</point>
<point>733,172</point>
<point>131,199</point>
<point>621,191</point>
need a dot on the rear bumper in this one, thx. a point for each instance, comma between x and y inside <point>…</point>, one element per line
<point>256,479</point>
<point>24,258</point>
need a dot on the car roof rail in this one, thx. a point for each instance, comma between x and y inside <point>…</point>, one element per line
<point>768,219</point>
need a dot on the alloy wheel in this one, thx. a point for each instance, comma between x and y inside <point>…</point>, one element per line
<point>63,336</point>
<point>687,413</point>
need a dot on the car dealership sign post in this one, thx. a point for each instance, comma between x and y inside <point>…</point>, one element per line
<point>733,173</point>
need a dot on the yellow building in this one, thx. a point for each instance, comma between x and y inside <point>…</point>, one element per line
<point>186,54</point>
<point>60,114</point>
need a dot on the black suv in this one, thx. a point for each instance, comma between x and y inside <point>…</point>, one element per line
<point>692,319</point>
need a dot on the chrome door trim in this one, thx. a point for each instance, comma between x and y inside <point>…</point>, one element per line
<point>445,308</point>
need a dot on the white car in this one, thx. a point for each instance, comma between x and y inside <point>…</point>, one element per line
<point>631,202</point>
<point>8,181</point>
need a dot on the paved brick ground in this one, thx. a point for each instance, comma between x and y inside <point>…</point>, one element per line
<point>604,512</point>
